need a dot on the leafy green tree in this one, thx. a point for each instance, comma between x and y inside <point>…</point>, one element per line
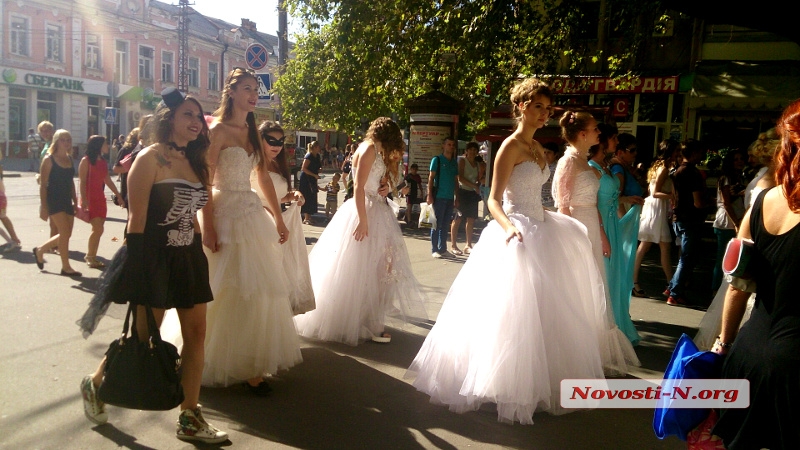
<point>357,60</point>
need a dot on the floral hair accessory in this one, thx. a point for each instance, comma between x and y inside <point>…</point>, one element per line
<point>571,117</point>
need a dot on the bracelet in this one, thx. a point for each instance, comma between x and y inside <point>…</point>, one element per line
<point>722,344</point>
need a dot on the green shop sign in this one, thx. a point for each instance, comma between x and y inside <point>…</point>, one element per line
<point>54,82</point>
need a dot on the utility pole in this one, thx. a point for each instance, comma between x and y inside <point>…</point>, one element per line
<point>183,46</point>
<point>283,37</point>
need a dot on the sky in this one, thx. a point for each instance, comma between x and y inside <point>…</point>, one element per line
<point>265,15</point>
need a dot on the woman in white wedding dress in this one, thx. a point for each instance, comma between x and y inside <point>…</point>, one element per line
<point>250,333</point>
<point>295,255</point>
<point>528,308</point>
<point>360,268</point>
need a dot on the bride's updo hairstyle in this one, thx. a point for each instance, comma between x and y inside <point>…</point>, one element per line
<point>572,123</point>
<point>525,91</point>
<point>787,172</point>
<point>387,132</point>
<point>225,110</point>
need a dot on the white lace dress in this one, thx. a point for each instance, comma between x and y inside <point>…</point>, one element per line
<point>522,316</point>
<point>249,328</point>
<point>295,254</point>
<point>359,286</point>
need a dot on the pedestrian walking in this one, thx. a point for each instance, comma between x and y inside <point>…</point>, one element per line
<point>442,183</point>
<point>94,177</point>
<point>35,145</point>
<point>163,265</point>
<point>469,195</point>
<point>309,179</point>
<point>58,200</point>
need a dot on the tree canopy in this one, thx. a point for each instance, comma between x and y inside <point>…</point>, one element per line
<point>359,60</point>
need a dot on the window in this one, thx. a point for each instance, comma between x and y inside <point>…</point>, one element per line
<point>17,114</point>
<point>92,51</point>
<point>167,67</point>
<point>20,36</point>
<point>54,42</point>
<point>146,62</point>
<point>194,72</point>
<point>121,62</point>
<point>213,76</point>
<point>46,107</point>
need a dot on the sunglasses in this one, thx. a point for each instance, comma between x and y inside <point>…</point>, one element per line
<point>274,142</point>
<point>632,150</point>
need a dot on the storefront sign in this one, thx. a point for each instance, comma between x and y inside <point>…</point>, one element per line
<point>57,83</point>
<point>605,85</point>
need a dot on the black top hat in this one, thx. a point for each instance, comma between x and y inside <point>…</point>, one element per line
<point>172,97</point>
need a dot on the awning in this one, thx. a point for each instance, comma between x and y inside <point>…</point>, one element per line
<point>745,87</point>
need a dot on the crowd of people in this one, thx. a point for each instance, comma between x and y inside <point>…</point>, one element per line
<point>214,242</point>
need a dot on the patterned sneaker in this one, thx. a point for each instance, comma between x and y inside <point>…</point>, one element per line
<point>94,409</point>
<point>192,427</point>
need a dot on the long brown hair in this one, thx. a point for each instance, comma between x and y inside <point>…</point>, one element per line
<point>225,110</point>
<point>387,132</point>
<point>267,127</point>
<point>159,129</point>
<point>787,172</point>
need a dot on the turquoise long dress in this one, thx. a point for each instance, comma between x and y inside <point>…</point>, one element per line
<point>619,267</point>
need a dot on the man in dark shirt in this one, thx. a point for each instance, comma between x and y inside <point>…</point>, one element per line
<point>414,183</point>
<point>690,213</point>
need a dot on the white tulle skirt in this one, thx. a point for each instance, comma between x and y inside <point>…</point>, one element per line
<point>295,263</point>
<point>711,324</point>
<point>360,286</point>
<point>249,328</point>
<point>518,319</point>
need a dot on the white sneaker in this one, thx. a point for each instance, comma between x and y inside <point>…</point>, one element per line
<point>94,409</point>
<point>192,427</point>
<point>436,255</point>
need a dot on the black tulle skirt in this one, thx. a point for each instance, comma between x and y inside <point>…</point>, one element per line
<point>175,277</point>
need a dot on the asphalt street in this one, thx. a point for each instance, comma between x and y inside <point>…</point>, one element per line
<point>340,397</point>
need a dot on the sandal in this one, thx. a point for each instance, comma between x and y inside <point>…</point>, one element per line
<point>93,262</point>
<point>456,251</point>
<point>638,292</point>
<point>384,338</point>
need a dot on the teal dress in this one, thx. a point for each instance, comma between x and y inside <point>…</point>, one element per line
<point>619,267</point>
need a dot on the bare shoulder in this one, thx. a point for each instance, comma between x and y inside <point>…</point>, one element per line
<point>512,148</point>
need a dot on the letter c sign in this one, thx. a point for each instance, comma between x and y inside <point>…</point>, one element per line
<point>621,106</point>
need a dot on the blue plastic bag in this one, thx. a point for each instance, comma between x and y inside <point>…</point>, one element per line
<point>687,362</point>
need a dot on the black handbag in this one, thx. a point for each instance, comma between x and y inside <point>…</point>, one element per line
<point>142,375</point>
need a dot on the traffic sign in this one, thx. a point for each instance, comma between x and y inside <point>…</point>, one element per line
<point>256,56</point>
<point>111,116</point>
<point>264,86</point>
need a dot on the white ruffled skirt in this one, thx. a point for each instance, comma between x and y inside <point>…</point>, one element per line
<point>518,319</point>
<point>359,286</point>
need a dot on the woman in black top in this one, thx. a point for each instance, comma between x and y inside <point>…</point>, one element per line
<point>309,175</point>
<point>162,263</point>
<point>58,200</point>
<point>766,350</point>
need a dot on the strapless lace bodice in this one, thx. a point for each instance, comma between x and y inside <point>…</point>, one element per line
<point>523,192</point>
<point>233,169</point>
<point>376,172</point>
<point>584,190</point>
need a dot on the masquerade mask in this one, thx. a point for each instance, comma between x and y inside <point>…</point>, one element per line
<point>274,142</point>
